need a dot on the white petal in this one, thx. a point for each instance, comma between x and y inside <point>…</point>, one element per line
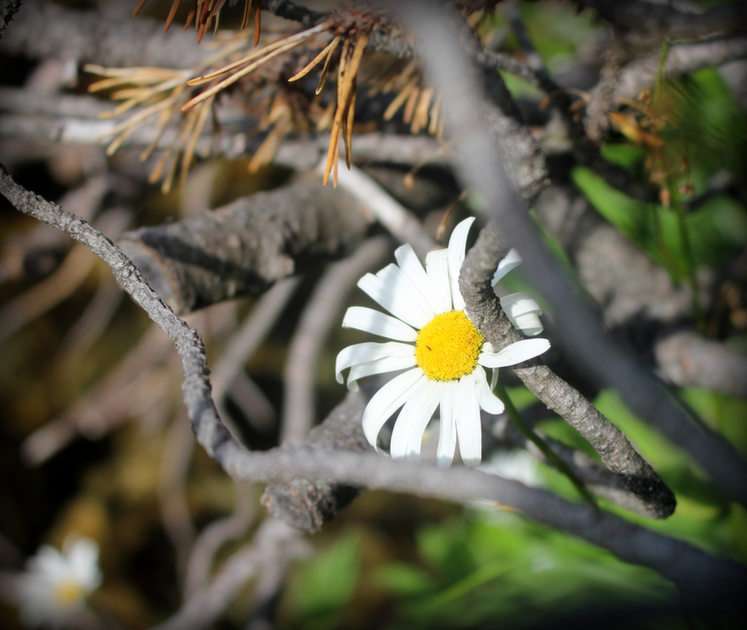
<point>523,311</point>
<point>83,557</point>
<point>376,323</point>
<point>393,275</point>
<point>507,264</point>
<point>447,436</point>
<point>437,266</point>
<point>457,247</point>
<point>396,296</point>
<point>514,353</point>
<point>468,424</point>
<point>369,351</point>
<point>413,269</point>
<point>386,401</point>
<point>529,324</point>
<point>49,564</point>
<point>488,400</point>
<point>410,425</point>
<point>380,366</point>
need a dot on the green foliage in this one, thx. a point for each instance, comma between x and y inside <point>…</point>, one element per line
<point>702,130</point>
<point>717,229</point>
<point>487,565</point>
<point>556,32</point>
<point>324,585</point>
<point>703,517</point>
<point>726,414</point>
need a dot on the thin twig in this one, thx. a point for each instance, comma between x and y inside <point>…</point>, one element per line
<point>275,545</point>
<point>319,317</point>
<point>214,536</point>
<point>245,341</point>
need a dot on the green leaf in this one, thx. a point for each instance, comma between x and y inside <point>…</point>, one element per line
<point>717,229</point>
<point>702,516</point>
<point>323,586</point>
<point>726,414</point>
<point>520,571</point>
<point>623,154</point>
<point>403,579</point>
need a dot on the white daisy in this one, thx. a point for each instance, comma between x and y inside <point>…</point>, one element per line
<point>56,584</point>
<point>442,353</point>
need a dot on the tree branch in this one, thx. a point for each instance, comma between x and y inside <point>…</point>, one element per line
<point>246,246</point>
<point>616,452</point>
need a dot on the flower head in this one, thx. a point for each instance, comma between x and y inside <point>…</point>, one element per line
<point>441,354</point>
<point>56,584</point>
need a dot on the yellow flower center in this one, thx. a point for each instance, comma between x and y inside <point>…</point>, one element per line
<point>68,592</point>
<point>448,346</point>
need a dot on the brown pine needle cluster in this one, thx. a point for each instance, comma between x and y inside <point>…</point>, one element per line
<point>332,48</point>
<point>289,112</point>
<point>647,125</point>
<point>156,94</point>
<point>205,16</point>
<point>348,50</point>
<point>421,108</point>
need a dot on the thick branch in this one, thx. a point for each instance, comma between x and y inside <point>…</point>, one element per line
<point>597,478</point>
<point>307,504</point>
<point>244,247</point>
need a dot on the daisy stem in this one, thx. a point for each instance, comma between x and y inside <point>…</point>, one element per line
<point>550,455</point>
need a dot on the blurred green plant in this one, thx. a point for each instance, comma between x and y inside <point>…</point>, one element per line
<point>680,136</point>
<point>319,592</point>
